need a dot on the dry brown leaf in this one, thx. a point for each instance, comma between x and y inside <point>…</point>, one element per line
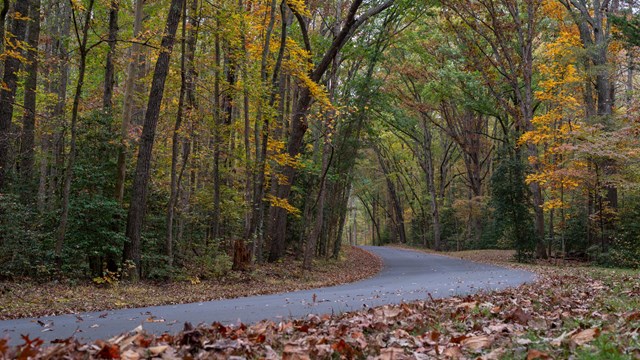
<point>130,355</point>
<point>496,354</point>
<point>519,316</point>
<point>534,354</point>
<point>392,353</point>
<point>391,312</point>
<point>585,336</point>
<point>453,352</point>
<point>157,350</point>
<point>467,305</point>
<point>477,343</point>
<point>295,352</point>
<point>634,316</point>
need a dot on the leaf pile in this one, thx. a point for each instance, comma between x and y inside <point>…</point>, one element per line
<point>568,313</point>
<point>30,299</point>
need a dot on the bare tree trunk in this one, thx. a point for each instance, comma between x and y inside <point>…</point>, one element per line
<point>398,213</point>
<point>429,170</point>
<point>137,208</point>
<point>175,143</point>
<point>27,142</point>
<point>59,25</point>
<point>186,90</point>
<point>129,87</point>
<point>310,249</point>
<point>68,176</point>
<point>109,71</point>
<point>42,183</point>
<point>10,85</point>
<point>277,84</point>
<point>217,138</point>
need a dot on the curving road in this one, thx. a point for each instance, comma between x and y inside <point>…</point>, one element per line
<point>407,275</point>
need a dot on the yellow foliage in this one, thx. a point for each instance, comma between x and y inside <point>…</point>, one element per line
<point>553,204</point>
<point>284,204</point>
<point>298,6</point>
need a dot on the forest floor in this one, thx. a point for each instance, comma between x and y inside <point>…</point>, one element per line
<point>33,299</point>
<point>570,312</point>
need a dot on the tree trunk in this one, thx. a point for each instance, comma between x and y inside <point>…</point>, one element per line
<point>277,224</point>
<point>68,176</point>
<point>127,109</point>
<point>10,85</point>
<point>398,213</point>
<point>109,70</point>
<point>137,208</point>
<point>59,25</point>
<point>217,138</point>
<point>310,249</point>
<point>187,74</point>
<point>27,142</point>
<point>277,85</point>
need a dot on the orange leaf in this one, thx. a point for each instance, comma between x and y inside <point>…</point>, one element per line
<point>534,354</point>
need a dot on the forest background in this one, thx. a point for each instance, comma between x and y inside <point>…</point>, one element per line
<point>159,139</point>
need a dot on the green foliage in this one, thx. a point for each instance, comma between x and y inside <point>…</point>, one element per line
<point>208,262</point>
<point>625,250</point>
<point>21,238</point>
<point>510,199</point>
<point>576,232</point>
<point>629,27</point>
<point>95,234</point>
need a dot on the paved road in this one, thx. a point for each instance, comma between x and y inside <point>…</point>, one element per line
<point>407,275</point>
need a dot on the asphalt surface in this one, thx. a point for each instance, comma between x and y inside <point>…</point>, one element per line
<point>406,276</point>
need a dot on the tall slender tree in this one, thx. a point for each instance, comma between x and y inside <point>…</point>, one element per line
<point>27,141</point>
<point>10,84</point>
<point>139,191</point>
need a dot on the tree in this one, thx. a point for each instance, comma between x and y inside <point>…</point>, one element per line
<point>277,220</point>
<point>27,141</point>
<point>12,64</point>
<point>82,36</point>
<point>139,191</point>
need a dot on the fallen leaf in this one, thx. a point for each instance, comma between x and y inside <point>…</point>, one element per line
<point>392,353</point>
<point>534,354</point>
<point>453,352</point>
<point>496,354</point>
<point>295,352</point>
<point>153,319</point>
<point>467,305</point>
<point>476,343</point>
<point>519,316</point>
<point>108,351</point>
<point>130,355</point>
<point>585,336</point>
<point>458,339</point>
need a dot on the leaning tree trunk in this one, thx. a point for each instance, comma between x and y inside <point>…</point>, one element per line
<point>137,208</point>
<point>127,108</point>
